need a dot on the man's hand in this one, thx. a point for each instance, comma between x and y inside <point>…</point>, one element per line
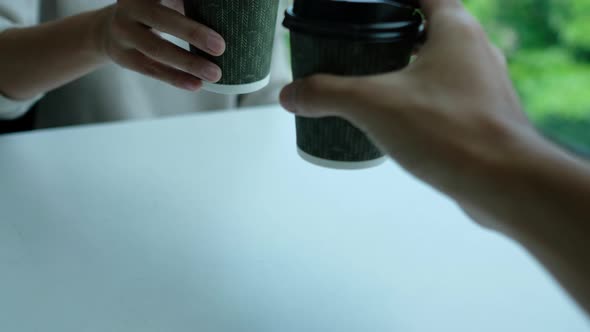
<point>452,108</point>
<point>453,119</point>
<point>130,37</point>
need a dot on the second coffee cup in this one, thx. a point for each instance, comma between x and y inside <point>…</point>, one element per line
<point>248,27</point>
<point>350,38</point>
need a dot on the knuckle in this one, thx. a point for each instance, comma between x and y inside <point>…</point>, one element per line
<point>470,27</point>
<point>118,28</point>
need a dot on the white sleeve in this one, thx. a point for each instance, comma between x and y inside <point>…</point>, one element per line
<point>17,13</point>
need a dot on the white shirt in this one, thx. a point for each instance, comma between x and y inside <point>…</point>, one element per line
<point>113,93</point>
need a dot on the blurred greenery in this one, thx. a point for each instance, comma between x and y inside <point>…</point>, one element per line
<point>547,43</point>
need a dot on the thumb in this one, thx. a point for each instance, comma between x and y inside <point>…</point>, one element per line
<point>319,96</point>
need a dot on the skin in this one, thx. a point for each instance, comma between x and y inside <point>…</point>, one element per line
<point>453,119</point>
<point>126,33</point>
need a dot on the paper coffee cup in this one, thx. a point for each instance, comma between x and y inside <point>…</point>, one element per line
<point>248,28</point>
<point>350,38</point>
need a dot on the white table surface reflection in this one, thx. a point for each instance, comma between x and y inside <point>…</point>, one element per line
<point>212,223</point>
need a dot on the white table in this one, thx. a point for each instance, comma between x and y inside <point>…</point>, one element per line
<point>212,223</point>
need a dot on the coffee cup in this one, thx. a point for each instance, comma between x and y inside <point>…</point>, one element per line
<point>248,27</point>
<point>348,38</point>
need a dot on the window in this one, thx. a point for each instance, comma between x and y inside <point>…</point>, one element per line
<point>547,43</point>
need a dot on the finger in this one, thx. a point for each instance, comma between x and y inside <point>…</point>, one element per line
<point>169,21</point>
<point>351,98</point>
<point>136,61</point>
<point>171,55</point>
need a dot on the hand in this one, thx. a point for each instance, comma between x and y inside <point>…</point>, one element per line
<point>447,118</point>
<point>453,119</point>
<point>130,37</point>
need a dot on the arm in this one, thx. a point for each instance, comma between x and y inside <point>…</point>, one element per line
<point>539,196</point>
<point>453,119</point>
<point>37,59</point>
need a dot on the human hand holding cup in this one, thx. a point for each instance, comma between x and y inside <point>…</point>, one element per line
<point>350,38</point>
<point>129,34</point>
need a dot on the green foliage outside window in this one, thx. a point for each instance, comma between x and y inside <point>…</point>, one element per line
<point>547,43</point>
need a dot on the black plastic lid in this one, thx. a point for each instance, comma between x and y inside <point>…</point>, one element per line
<point>379,20</point>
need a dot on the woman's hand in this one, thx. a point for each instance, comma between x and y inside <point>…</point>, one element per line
<point>130,36</point>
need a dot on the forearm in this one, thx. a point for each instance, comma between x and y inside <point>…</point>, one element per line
<point>38,59</point>
<point>541,198</point>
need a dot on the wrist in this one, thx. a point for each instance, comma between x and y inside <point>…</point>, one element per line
<point>528,185</point>
<point>99,33</point>
<point>493,169</point>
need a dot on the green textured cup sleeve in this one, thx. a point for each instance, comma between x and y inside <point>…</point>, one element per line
<point>248,28</point>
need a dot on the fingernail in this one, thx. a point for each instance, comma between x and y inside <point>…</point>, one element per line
<point>215,44</point>
<point>212,73</point>
<point>288,96</point>
<point>192,85</point>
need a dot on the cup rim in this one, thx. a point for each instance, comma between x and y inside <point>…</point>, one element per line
<point>375,32</point>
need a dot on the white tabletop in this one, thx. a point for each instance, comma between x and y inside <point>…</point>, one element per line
<point>212,223</point>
